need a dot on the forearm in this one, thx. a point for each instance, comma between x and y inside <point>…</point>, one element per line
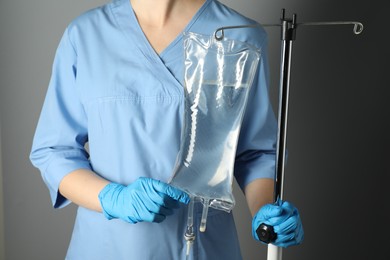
<point>83,187</point>
<point>258,193</point>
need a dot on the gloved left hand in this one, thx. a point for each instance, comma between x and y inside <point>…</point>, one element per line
<point>285,220</point>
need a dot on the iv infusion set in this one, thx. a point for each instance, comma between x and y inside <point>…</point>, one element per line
<point>218,75</point>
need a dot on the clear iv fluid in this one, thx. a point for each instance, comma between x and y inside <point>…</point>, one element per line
<point>205,164</point>
<point>217,75</point>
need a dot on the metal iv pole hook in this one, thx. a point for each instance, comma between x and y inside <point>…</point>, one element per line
<point>220,32</point>
<point>357,26</point>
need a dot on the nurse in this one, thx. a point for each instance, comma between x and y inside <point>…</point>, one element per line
<point>117,85</point>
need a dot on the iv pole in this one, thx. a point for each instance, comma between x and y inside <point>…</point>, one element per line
<point>288,35</point>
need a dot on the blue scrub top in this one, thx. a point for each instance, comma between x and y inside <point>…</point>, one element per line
<point>110,89</point>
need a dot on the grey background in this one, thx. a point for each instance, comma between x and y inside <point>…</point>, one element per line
<point>338,128</point>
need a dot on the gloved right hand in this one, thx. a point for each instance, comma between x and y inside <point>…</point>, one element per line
<point>145,199</point>
<point>285,220</point>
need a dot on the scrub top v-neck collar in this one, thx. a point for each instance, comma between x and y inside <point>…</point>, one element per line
<point>132,29</point>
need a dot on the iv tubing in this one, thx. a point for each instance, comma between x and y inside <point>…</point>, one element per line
<point>190,235</point>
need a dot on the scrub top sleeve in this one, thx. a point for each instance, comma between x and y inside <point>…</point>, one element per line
<point>255,156</point>
<point>61,133</point>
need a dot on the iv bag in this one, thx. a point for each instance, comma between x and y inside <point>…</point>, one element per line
<point>218,75</point>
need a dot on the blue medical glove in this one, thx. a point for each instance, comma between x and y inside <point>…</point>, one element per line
<point>144,200</point>
<point>285,220</point>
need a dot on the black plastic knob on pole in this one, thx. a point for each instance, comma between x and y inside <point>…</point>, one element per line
<point>288,34</point>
